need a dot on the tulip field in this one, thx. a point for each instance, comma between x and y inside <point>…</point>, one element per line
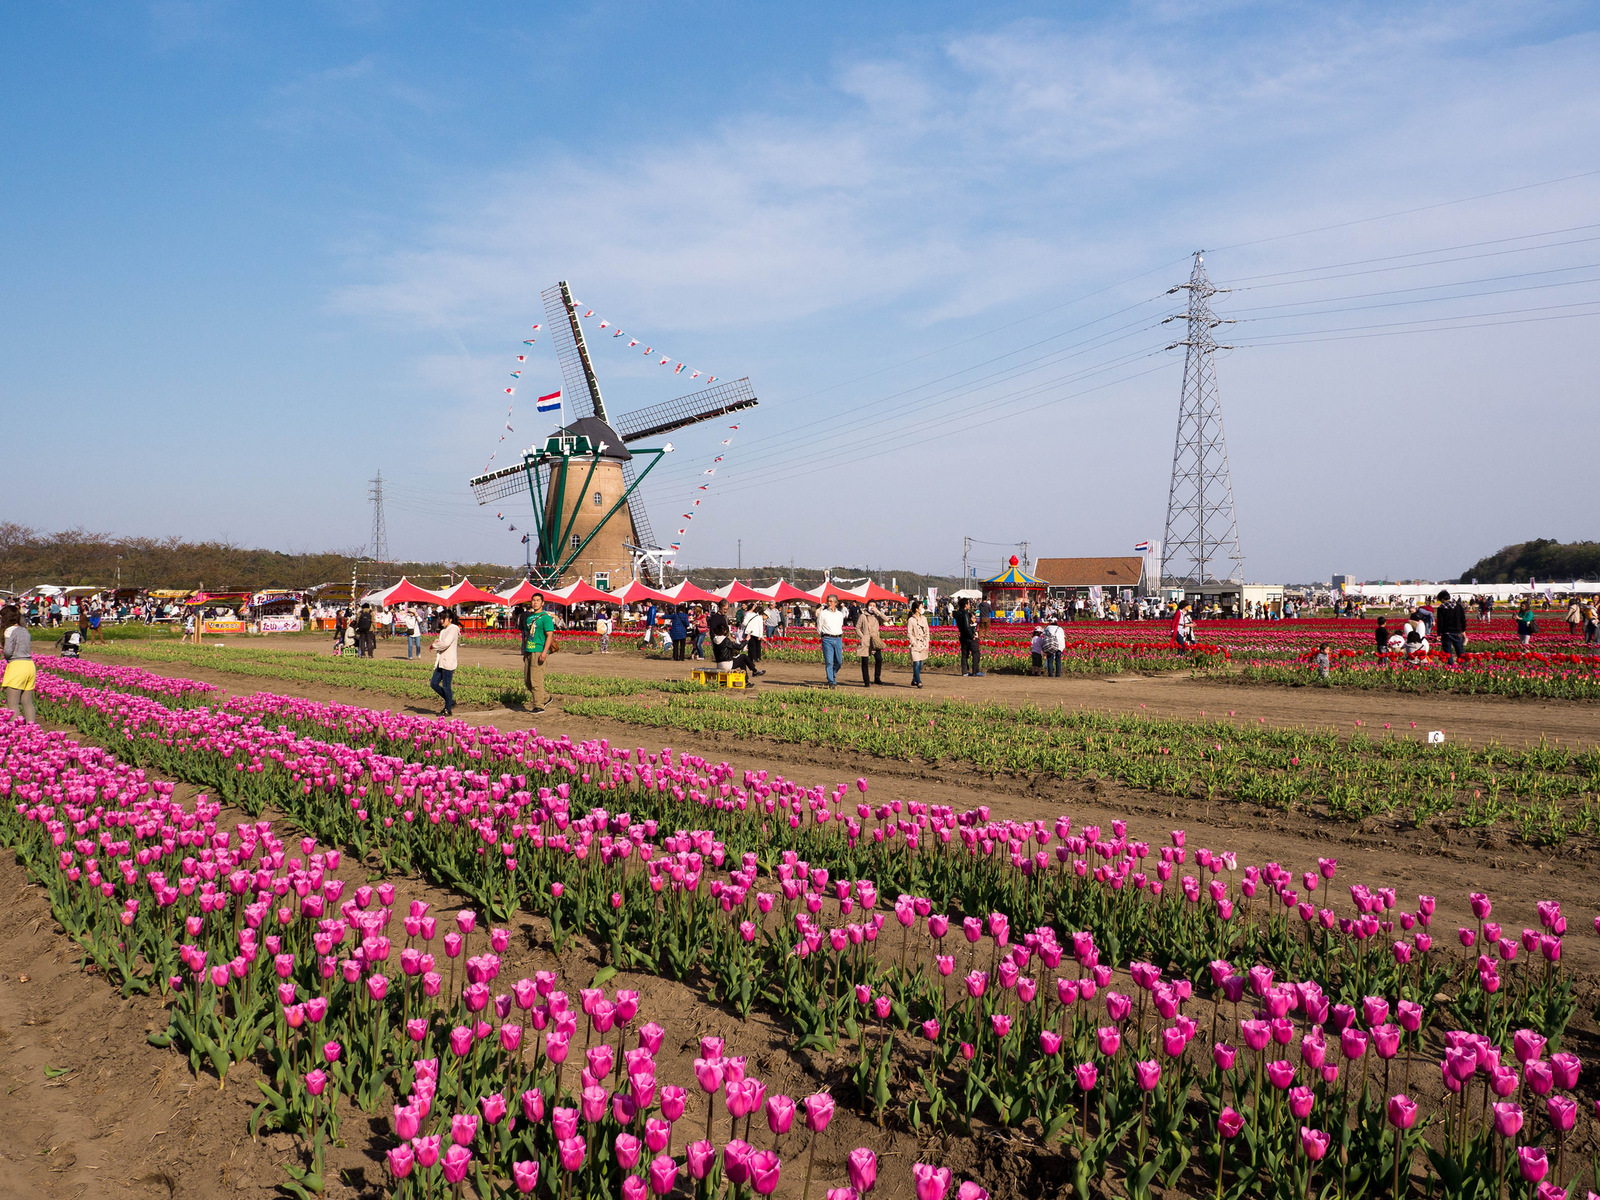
<point>1126,1012</point>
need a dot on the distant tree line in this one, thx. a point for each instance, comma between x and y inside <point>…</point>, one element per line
<point>1542,558</point>
<point>76,556</point>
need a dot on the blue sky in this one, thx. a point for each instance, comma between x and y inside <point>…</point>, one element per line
<point>255,253</point>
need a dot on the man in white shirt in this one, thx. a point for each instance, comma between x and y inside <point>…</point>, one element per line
<point>830,627</point>
<point>755,624</point>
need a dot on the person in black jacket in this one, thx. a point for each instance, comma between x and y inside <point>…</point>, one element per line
<point>366,640</point>
<point>967,630</point>
<point>1380,635</point>
<point>1451,621</point>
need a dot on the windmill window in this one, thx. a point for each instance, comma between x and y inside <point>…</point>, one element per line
<point>576,541</point>
<point>597,499</point>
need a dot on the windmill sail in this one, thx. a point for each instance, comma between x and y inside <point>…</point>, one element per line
<point>641,519</point>
<point>577,373</point>
<point>718,401</point>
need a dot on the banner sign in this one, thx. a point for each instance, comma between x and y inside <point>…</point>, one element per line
<point>276,625</point>
<point>225,626</point>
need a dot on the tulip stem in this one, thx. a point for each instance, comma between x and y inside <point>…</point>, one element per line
<point>811,1158</point>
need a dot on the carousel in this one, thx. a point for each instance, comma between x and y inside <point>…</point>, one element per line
<point>1013,591</point>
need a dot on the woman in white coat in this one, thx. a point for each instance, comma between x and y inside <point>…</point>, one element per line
<point>920,634</point>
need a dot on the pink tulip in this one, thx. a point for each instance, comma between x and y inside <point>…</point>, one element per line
<point>525,1175</point>
<point>1148,1074</point>
<point>1507,1119</point>
<point>572,1151</point>
<point>862,1167</point>
<point>1314,1142</point>
<point>931,1182</point>
<point>819,1111</point>
<point>456,1161</point>
<point>700,1156</point>
<point>1532,1163</point>
<point>1229,1123</point>
<point>664,1175</point>
<point>1402,1111</point>
<point>401,1159</point>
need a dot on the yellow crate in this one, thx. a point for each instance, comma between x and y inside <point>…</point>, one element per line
<point>727,679</point>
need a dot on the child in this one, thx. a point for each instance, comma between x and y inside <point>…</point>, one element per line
<point>1036,646</point>
<point>1324,661</point>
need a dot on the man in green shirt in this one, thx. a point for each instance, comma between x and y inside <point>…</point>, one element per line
<point>538,641</point>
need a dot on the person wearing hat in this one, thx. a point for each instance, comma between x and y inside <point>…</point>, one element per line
<point>1036,651</point>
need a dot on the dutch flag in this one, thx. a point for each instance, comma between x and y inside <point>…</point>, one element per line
<point>1142,548</point>
<point>550,403</point>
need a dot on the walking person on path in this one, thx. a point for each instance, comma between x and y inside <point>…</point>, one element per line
<point>366,641</point>
<point>755,625</point>
<point>1451,621</point>
<point>830,628</point>
<point>538,642</point>
<point>869,623</point>
<point>1526,625</point>
<point>920,636</point>
<point>678,631</point>
<point>18,680</point>
<point>967,631</point>
<point>444,662</point>
<point>1575,619</point>
<point>413,634</point>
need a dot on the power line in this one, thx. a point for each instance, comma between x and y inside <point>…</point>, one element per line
<point>1406,212</point>
<point>1233,284</point>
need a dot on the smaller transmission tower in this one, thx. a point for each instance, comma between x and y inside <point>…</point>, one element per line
<point>1202,531</point>
<point>380,531</point>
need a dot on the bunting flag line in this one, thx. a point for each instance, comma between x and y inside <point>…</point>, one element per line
<point>677,546</point>
<point>678,366</point>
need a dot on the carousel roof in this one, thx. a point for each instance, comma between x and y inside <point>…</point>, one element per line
<point>1013,577</point>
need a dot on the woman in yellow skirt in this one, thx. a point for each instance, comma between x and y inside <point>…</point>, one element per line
<point>18,679</point>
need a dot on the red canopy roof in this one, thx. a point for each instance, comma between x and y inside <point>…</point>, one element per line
<point>521,594</point>
<point>582,593</point>
<point>636,591</point>
<point>685,592</point>
<point>828,588</point>
<point>873,592</point>
<point>737,592</point>
<point>467,592</point>
<point>405,592</point>
<point>784,590</point>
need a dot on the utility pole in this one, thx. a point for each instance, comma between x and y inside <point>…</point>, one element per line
<point>739,564</point>
<point>380,532</point>
<point>1201,526</point>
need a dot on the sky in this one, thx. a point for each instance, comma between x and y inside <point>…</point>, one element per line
<point>256,254</point>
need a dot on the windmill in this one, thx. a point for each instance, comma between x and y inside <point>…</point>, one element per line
<point>584,480</point>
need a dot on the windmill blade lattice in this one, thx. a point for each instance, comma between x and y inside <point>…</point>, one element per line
<point>580,387</point>
<point>658,419</point>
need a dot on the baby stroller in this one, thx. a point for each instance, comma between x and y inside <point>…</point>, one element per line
<point>70,644</point>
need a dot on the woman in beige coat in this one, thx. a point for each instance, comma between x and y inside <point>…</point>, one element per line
<point>920,634</point>
<point>869,622</point>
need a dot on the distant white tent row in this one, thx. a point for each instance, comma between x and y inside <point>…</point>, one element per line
<point>1409,592</point>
